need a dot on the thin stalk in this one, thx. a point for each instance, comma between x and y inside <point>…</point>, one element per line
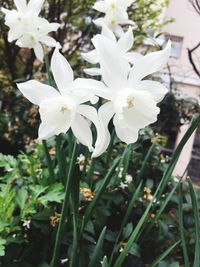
<point>60,158</point>
<point>182,229</point>
<point>110,148</point>
<point>61,225</point>
<point>49,163</point>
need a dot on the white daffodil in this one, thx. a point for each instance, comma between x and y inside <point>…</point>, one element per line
<point>132,100</point>
<point>28,28</point>
<point>115,14</point>
<point>63,108</point>
<point>124,43</point>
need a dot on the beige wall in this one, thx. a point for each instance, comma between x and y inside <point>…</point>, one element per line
<point>186,25</point>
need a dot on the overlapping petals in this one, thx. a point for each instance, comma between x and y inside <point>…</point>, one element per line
<point>64,108</point>
<point>115,14</point>
<point>30,30</point>
<point>132,100</point>
<point>124,44</point>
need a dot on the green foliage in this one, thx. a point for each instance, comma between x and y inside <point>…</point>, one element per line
<point>32,208</point>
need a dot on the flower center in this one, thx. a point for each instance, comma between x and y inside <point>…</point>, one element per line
<point>63,109</point>
<point>113,5</point>
<point>113,21</point>
<point>130,101</point>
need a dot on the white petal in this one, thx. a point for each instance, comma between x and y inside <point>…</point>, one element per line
<point>126,41</point>
<point>91,57</point>
<point>108,33</point>
<point>100,6</point>
<point>127,135</point>
<point>36,92</point>
<point>45,131</point>
<point>114,67</point>
<point>143,112</point>
<point>53,119</point>
<point>39,52</point>
<point>105,113</point>
<point>81,130</point>
<point>21,5</point>
<point>48,41</point>
<point>35,5</point>
<point>93,87</point>
<point>132,57</point>
<point>91,114</point>
<point>93,71</point>
<point>99,22</point>
<point>157,89</point>
<point>14,34</point>
<point>149,64</point>
<point>62,71</point>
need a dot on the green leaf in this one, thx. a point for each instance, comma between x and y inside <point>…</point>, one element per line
<point>22,195</point>
<point>55,194</point>
<point>98,250</point>
<point>158,193</point>
<point>164,255</point>
<point>127,231</point>
<point>98,194</point>
<point>105,262</point>
<point>2,247</point>
<point>181,227</point>
<point>197,224</point>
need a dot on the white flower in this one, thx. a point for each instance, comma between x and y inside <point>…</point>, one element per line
<point>115,14</point>
<point>28,28</point>
<point>129,179</point>
<point>132,100</point>
<point>63,109</point>
<point>125,43</point>
<point>81,158</point>
<point>26,224</point>
<point>123,185</point>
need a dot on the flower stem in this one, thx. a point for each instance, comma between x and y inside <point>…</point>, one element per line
<point>64,208</point>
<point>49,162</point>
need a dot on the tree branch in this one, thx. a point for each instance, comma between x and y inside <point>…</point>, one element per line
<point>190,52</point>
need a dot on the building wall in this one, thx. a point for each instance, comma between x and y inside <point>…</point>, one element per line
<point>187,27</point>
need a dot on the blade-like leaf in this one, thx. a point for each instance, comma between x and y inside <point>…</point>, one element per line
<point>98,250</point>
<point>197,224</point>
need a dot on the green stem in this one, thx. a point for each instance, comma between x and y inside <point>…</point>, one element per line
<point>64,208</point>
<point>49,163</point>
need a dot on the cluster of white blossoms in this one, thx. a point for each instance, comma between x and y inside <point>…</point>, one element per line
<point>129,98</point>
<point>115,14</point>
<point>27,28</point>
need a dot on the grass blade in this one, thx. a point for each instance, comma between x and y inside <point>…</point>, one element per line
<point>98,249</point>
<point>167,175</point>
<point>197,224</point>
<point>164,255</point>
<point>180,215</point>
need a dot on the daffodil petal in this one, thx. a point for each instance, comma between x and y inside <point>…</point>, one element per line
<point>149,64</point>
<point>20,5</point>
<point>35,5</point>
<point>62,71</point>
<point>126,41</point>
<point>105,113</point>
<point>92,86</point>
<point>36,92</point>
<point>114,67</point>
<point>91,57</point>
<point>38,50</point>
<point>157,89</point>
<point>125,134</point>
<point>81,130</point>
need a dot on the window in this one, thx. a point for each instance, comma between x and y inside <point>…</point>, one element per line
<point>177,43</point>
